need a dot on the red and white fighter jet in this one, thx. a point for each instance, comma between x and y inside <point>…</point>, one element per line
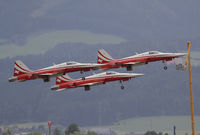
<point>23,73</point>
<point>65,82</point>
<point>135,60</point>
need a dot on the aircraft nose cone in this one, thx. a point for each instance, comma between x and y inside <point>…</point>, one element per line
<point>136,75</point>
<point>181,54</point>
<point>185,54</point>
<point>139,74</point>
<point>12,79</point>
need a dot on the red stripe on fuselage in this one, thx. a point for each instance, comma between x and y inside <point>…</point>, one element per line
<point>146,59</point>
<point>80,83</point>
<point>61,69</point>
<point>94,79</point>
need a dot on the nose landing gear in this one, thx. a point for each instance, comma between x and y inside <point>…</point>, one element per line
<point>122,86</point>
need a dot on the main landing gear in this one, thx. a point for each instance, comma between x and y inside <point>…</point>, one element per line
<point>83,78</point>
<point>129,68</point>
<point>165,66</point>
<point>87,87</point>
<point>46,79</point>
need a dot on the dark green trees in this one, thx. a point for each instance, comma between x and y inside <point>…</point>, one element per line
<point>72,129</point>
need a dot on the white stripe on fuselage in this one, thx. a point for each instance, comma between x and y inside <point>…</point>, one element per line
<point>152,55</point>
<point>106,76</point>
<point>148,56</point>
<point>65,67</point>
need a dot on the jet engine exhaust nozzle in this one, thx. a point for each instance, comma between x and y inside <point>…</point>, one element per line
<point>12,79</point>
<point>55,87</point>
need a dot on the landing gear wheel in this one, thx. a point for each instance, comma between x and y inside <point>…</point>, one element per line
<point>87,88</point>
<point>46,79</point>
<point>122,87</point>
<point>129,68</point>
<point>165,67</point>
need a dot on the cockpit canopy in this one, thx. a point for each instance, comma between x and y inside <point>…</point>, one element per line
<point>110,73</point>
<point>71,63</point>
<point>153,52</point>
<point>148,53</point>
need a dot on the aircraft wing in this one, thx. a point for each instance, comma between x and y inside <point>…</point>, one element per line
<point>96,66</point>
<point>60,90</point>
<point>133,63</point>
<point>92,84</point>
<point>87,84</point>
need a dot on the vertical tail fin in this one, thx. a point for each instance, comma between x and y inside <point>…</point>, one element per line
<point>103,57</point>
<point>20,68</point>
<point>63,79</point>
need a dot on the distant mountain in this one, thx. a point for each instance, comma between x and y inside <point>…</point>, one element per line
<point>159,92</point>
<point>138,19</point>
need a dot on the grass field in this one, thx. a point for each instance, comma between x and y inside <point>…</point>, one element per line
<point>30,125</point>
<point>163,124</point>
<point>195,58</point>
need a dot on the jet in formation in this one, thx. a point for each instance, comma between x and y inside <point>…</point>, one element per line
<point>104,62</point>
<point>65,82</point>
<point>135,60</point>
<point>23,73</point>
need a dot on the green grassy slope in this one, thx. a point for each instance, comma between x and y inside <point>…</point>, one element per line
<point>143,124</point>
<point>163,124</point>
<point>160,123</point>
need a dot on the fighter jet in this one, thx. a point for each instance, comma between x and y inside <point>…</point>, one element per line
<point>23,73</point>
<point>65,82</point>
<point>135,60</point>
